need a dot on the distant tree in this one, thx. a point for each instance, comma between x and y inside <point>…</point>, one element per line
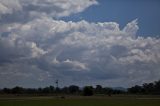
<point>17,90</point>
<point>65,90</point>
<point>108,91</point>
<point>98,89</point>
<point>32,91</point>
<point>135,90</point>
<point>52,89</point>
<point>39,90</point>
<point>73,89</point>
<point>157,87</point>
<point>46,90</point>
<point>6,90</point>
<point>49,89</point>
<point>88,91</point>
<point>148,88</point>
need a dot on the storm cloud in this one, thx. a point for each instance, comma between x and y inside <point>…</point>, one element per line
<point>38,49</point>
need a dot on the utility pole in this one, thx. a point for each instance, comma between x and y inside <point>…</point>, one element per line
<point>56,83</point>
<point>57,89</point>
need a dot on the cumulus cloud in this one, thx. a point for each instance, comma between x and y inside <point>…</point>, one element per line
<point>9,6</point>
<point>43,49</point>
<point>131,28</point>
<point>22,10</point>
<point>56,8</point>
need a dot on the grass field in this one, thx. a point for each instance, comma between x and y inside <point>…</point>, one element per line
<point>80,101</point>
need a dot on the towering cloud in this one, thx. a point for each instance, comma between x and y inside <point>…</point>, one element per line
<point>40,49</point>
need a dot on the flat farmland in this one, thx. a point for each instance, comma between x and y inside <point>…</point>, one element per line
<point>80,101</point>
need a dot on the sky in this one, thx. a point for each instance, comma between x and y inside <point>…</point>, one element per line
<point>123,11</point>
<point>112,43</point>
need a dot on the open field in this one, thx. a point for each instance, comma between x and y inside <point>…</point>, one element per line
<point>81,101</point>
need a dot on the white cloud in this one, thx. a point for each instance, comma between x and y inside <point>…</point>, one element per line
<point>131,28</point>
<point>9,6</point>
<point>36,52</point>
<point>52,8</point>
<point>75,65</point>
<point>101,50</point>
<point>72,51</point>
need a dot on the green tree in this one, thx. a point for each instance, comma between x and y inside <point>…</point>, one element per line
<point>73,89</point>
<point>17,90</point>
<point>88,91</point>
<point>99,89</point>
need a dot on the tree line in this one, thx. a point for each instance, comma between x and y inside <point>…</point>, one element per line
<point>146,88</point>
<point>71,90</point>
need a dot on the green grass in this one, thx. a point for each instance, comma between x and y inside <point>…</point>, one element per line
<point>89,101</point>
